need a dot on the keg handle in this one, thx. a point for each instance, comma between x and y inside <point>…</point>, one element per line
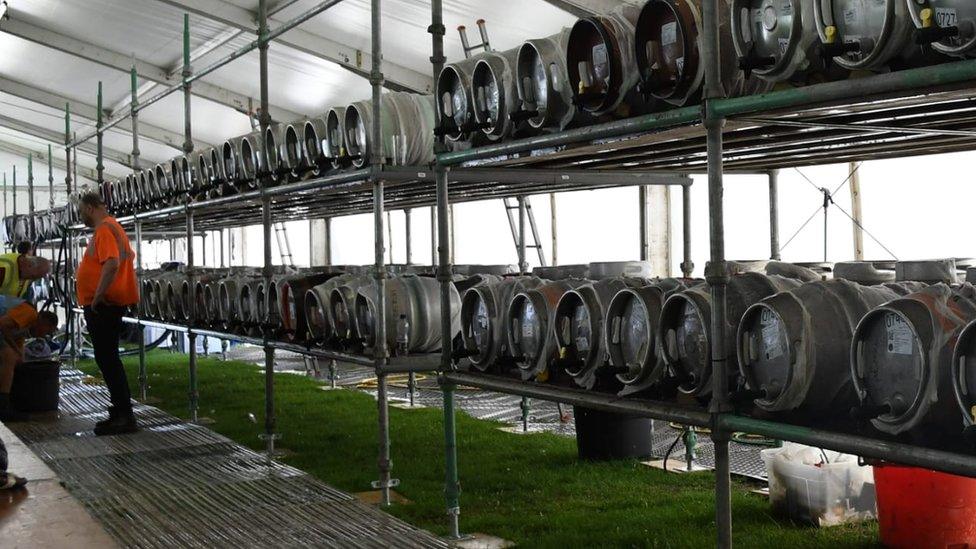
<point>752,61</point>
<point>869,411</point>
<point>462,353</point>
<point>447,126</point>
<point>522,115</point>
<point>830,47</point>
<point>932,32</point>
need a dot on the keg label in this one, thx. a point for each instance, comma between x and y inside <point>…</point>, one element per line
<point>900,338</point>
<point>786,8</point>
<point>945,17</point>
<point>784,44</point>
<point>850,14</point>
<point>582,344</point>
<point>527,330</point>
<point>771,336</point>
<point>669,33</point>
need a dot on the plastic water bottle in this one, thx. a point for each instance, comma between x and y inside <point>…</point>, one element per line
<point>402,335</point>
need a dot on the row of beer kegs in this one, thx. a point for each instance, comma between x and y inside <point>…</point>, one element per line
<point>640,58</point>
<point>860,346</point>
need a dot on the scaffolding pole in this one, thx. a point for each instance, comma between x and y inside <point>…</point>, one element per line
<point>385,465</point>
<point>773,176</point>
<point>716,273</point>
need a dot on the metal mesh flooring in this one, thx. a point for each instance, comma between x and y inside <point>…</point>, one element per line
<point>180,485</point>
<point>543,416</point>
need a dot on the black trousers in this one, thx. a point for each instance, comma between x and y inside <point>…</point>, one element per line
<point>105,329</point>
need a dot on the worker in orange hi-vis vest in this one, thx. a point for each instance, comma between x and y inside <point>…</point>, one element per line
<point>106,282</point>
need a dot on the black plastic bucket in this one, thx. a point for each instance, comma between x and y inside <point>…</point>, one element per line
<point>36,386</point>
<point>603,436</point>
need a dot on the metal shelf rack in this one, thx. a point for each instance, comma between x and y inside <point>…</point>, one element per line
<point>911,112</point>
<point>375,189</point>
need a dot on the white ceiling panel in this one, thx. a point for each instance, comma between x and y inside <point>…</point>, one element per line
<point>297,81</point>
<point>150,30</point>
<point>405,38</point>
<point>212,123</point>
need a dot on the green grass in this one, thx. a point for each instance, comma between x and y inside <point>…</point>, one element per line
<point>527,488</point>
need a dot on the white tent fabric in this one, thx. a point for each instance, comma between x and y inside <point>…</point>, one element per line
<point>151,32</point>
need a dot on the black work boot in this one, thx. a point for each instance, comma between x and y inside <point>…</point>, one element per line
<point>112,414</point>
<point>123,422</point>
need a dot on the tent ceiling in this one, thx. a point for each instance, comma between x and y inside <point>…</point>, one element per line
<point>304,79</point>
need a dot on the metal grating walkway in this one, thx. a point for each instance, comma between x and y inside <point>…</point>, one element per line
<point>175,484</point>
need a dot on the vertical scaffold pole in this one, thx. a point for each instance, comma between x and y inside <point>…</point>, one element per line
<point>523,265</point>
<point>644,241</point>
<point>384,462</point>
<point>67,149</point>
<point>99,166</point>
<point>134,106</point>
<point>264,117</point>
<point>441,244</point>
<point>31,233</point>
<point>773,176</point>
<point>187,86</point>
<point>143,374</point>
<point>191,336</point>
<point>328,241</point>
<point>716,273</point>
<point>50,179</point>
<point>187,149</point>
<point>433,236</point>
<point>408,229</point>
<point>687,265</point>
<point>555,230</point>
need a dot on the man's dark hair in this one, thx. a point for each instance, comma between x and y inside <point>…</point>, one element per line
<point>48,317</point>
<point>91,198</point>
<point>24,247</point>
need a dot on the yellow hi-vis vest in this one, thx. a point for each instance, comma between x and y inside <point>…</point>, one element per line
<point>12,284</point>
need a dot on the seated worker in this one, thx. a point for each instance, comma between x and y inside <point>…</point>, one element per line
<point>18,270</point>
<point>18,320</point>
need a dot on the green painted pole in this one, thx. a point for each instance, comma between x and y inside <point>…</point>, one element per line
<point>186,39</point>
<point>452,488</point>
<point>187,73</point>
<point>893,82</point>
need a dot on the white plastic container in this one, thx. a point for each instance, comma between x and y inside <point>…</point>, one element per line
<point>822,488</point>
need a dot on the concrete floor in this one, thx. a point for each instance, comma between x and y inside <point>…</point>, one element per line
<point>43,514</point>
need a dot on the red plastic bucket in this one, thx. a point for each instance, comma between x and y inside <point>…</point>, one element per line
<point>922,509</point>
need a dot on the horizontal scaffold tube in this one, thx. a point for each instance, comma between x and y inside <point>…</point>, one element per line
<point>591,400</point>
<point>853,89</point>
<point>655,121</point>
<point>937,460</point>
